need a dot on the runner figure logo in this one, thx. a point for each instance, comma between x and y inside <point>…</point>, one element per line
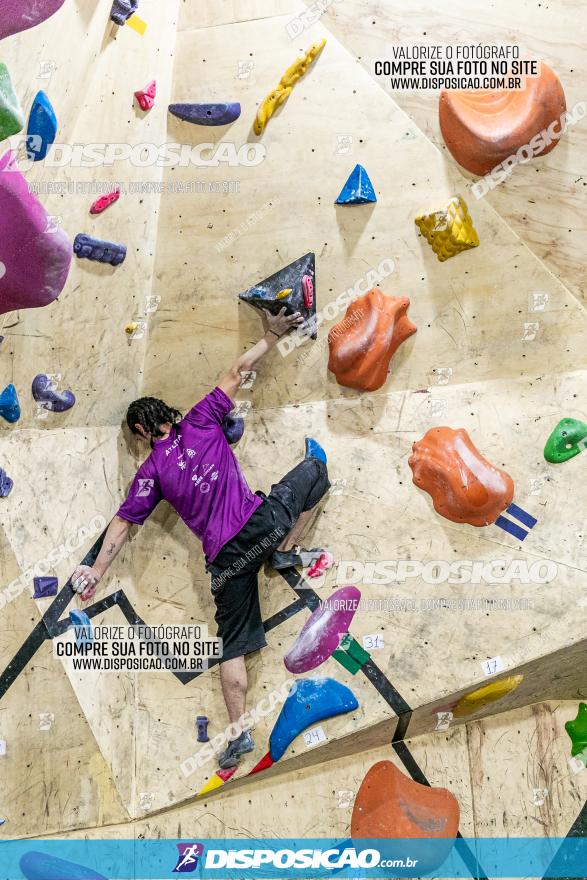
<point>189,856</point>
<point>145,487</point>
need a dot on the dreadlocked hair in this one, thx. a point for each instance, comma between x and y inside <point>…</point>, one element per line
<point>150,413</point>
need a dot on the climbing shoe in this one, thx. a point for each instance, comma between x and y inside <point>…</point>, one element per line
<point>235,749</point>
<point>314,450</point>
<point>297,556</point>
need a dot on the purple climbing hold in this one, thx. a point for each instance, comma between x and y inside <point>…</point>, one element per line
<point>233,428</point>
<point>9,404</point>
<point>6,484</point>
<point>20,15</point>
<point>87,248</point>
<point>322,632</point>
<point>46,394</point>
<point>206,114</point>
<point>202,725</point>
<point>122,10</point>
<point>45,587</point>
<point>36,253</point>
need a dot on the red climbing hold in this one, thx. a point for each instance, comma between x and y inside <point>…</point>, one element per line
<point>308,291</point>
<point>225,775</point>
<point>263,764</point>
<point>105,201</point>
<point>146,97</point>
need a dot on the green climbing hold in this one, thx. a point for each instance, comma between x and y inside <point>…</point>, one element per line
<point>568,439</point>
<point>577,731</point>
<point>11,115</point>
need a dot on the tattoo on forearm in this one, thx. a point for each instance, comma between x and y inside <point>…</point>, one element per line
<point>111,549</point>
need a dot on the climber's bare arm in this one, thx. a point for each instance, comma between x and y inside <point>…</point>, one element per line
<point>86,578</point>
<point>276,326</point>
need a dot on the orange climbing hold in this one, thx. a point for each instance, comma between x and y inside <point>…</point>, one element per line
<point>464,486</point>
<point>391,805</point>
<point>483,128</point>
<point>363,343</point>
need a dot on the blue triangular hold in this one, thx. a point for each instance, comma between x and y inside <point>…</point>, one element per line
<point>358,190</point>
<point>9,405</point>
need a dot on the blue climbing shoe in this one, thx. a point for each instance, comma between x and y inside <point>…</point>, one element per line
<point>235,749</point>
<point>314,450</point>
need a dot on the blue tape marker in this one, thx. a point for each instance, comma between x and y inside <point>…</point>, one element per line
<point>522,516</point>
<point>511,527</point>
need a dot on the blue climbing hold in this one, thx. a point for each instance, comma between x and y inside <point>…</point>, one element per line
<point>6,484</point>
<point>358,190</point>
<point>87,248</point>
<point>84,631</point>
<point>45,587</point>
<point>9,405</point>
<point>41,866</point>
<point>42,129</point>
<point>233,428</point>
<point>310,700</point>
<point>314,450</point>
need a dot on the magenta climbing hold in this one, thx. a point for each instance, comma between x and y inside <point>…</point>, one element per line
<point>46,394</point>
<point>20,15</point>
<point>322,632</point>
<point>206,114</point>
<point>105,201</point>
<point>308,291</point>
<point>36,254</point>
<point>322,564</point>
<point>45,587</point>
<point>87,248</point>
<point>122,10</point>
<point>146,97</point>
<point>6,484</point>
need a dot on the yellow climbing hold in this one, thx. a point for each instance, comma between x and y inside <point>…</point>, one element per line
<point>279,95</point>
<point>212,784</point>
<point>283,293</point>
<point>449,231</point>
<point>489,693</point>
<point>130,328</point>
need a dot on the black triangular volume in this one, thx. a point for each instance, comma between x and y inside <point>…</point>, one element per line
<point>299,278</point>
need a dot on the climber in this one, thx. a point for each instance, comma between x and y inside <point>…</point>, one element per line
<point>192,466</point>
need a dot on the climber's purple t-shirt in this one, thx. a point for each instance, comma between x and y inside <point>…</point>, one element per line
<point>196,471</point>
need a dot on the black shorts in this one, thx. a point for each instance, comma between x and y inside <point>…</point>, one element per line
<point>235,569</point>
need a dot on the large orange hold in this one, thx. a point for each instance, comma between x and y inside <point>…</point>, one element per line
<point>464,486</point>
<point>389,804</point>
<point>483,128</point>
<point>363,343</point>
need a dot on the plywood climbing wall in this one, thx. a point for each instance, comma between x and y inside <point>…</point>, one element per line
<point>197,236</point>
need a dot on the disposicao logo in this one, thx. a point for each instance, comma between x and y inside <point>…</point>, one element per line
<point>189,856</point>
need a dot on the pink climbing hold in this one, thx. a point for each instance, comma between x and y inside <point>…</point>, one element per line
<point>323,631</point>
<point>36,253</point>
<point>105,201</point>
<point>308,291</point>
<point>20,15</point>
<point>146,97</point>
<point>322,564</point>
